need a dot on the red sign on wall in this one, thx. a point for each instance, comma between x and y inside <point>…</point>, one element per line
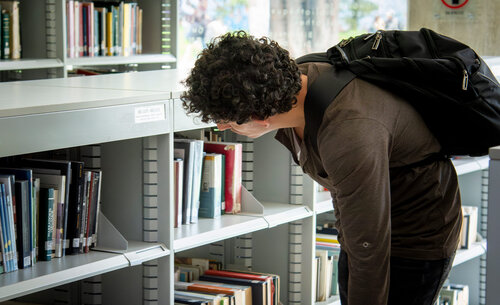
<point>454,4</point>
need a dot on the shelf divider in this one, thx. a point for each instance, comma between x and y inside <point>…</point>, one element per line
<point>109,238</point>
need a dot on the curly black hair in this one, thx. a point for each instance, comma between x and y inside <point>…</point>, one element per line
<point>239,77</point>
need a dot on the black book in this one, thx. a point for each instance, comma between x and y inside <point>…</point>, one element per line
<point>46,223</point>
<point>76,197</point>
<point>23,223</point>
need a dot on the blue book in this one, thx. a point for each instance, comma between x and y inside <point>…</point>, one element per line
<point>211,187</point>
<point>7,196</point>
<point>4,238</point>
<point>8,219</point>
<point>26,174</point>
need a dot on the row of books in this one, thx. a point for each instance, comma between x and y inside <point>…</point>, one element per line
<point>207,179</point>
<point>10,47</point>
<point>207,284</point>
<point>325,267</point>
<point>48,208</point>
<point>106,30</point>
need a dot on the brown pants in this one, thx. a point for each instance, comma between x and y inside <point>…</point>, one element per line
<point>413,282</point>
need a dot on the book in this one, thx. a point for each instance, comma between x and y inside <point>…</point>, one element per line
<point>247,290</point>
<point>5,34</point>
<point>8,229</point>
<point>211,187</point>
<point>57,167</point>
<point>323,274</point>
<point>36,205</point>
<point>212,288</point>
<point>212,298</point>
<point>75,202</point>
<point>47,220</point>
<point>12,8</point>
<point>468,234</point>
<point>233,165</point>
<point>191,151</point>
<point>4,237</point>
<point>26,174</point>
<point>85,209</point>
<point>272,284</point>
<point>21,243</point>
<point>58,183</point>
<point>23,228</point>
<point>70,28</point>
<point>178,182</point>
<point>95,208</point>
<point>258,287</point>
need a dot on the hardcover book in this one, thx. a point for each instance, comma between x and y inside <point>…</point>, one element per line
<point>211,186</point>
<point>233,153</point>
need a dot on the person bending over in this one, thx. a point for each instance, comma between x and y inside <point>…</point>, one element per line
<point>398,218</point>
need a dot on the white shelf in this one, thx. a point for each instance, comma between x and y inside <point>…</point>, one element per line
<point>280,213</point>
<point>323,206</point>
<point>477,249</point>
<point>211,230</point>
<point>470,164</point>
<point>121,60</point>
<point>44,275</point>
<point>334,300</point>
<point>25,64</point>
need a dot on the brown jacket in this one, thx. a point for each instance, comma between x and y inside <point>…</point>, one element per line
<point>382,209</point>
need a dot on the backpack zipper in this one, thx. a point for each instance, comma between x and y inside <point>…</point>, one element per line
<point>465,79</point>
<point>378,39</point>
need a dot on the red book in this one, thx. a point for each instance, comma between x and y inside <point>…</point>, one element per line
<point>233,165</point>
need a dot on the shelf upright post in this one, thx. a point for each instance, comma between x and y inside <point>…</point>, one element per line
<point>166,214</point>
<point>493,251</point>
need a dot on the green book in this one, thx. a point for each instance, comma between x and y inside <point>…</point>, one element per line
<point>46,223</point>
<point>5,35</point>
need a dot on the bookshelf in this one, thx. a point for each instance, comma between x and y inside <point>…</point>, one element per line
<point>44,41</point>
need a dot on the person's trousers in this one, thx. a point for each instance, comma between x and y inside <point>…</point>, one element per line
<point>412,282</point>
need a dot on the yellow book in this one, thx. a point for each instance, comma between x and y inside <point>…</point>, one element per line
<point>126,44</point>
<point>109,34</point>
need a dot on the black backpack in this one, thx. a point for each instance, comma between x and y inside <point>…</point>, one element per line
<point>445,80</point>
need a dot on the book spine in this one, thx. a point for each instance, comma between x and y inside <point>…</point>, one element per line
<point>12,229</point>
<point>23,237</point>
<point>5,236</point>
<point>5,35</point>
<point>46,223</point>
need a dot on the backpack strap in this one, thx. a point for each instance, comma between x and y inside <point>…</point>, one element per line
<point>320,95</point>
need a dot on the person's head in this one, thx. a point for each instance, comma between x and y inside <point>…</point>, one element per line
<point>239,81</point>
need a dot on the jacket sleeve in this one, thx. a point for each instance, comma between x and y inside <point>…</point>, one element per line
<point>355,156</point>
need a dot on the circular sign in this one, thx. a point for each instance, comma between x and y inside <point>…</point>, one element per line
<point>454,4</point>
